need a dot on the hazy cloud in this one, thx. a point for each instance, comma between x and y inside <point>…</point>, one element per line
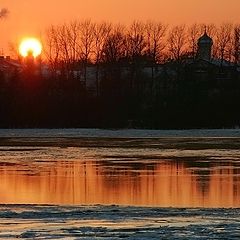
<point>3,12</point>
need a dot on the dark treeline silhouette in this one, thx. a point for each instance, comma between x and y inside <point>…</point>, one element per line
<point>88,42</point>
<point>145,75</point>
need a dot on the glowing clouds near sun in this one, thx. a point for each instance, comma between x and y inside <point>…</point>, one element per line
<point>30,46</point>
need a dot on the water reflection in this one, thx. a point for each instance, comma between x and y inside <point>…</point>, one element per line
<point>159,181</point>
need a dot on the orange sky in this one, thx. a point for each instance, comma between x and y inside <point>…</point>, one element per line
<point>31,17</point>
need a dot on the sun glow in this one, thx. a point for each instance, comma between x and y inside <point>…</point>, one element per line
<point>30,45</point>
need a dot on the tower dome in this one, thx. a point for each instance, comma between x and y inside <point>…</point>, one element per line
<point>204,47</point>
<point>205,39</point>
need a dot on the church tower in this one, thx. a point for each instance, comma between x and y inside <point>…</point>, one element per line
<point>205,47</point>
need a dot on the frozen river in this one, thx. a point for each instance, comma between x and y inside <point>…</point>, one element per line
<point>131,184</point>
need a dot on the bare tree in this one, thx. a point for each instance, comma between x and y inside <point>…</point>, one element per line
<point>194,32</point>
<point>86,43</point>
<point>236,44</point>
<point>64,43</point>
<point>52,48</point>
<point>177,42</point>
<point>61,48</point>
<point>155,33</point>
<point>86,39</point>
<point>101,34</point>
<point>135,40</point>
<point>114,46</point>
<point>73,35</point>
<point>223,41</point>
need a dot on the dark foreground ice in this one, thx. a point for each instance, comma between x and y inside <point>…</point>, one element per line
<point>116,222</point>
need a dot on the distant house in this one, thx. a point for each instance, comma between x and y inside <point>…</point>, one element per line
<point>203,68</point>
<point>8,69</point>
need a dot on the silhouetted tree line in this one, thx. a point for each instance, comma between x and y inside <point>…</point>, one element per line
<point>140,79</point>
<point>89,42</point>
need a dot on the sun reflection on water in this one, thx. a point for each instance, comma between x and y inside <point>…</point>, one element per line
<point>87,176</point>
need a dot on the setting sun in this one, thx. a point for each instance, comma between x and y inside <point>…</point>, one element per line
<point>30,45</point>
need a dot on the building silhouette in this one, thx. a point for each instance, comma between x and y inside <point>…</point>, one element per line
<point>205,44</point>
